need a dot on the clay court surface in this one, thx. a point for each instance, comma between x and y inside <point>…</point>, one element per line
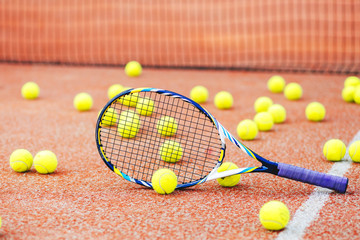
<point>83,199</point>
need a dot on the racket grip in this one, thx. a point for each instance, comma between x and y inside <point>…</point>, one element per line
<point>337,183</point>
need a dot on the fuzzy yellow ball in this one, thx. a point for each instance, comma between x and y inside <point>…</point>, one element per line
<point>110,117</point>
<point>21,160</point>
<point>264,121</point>
<point>229,181</point>
<point>352,81</point>
<point>223,100</point>
<point>247,129</point>
<point>167,126</point>
<point>262,104</point>
<point>45,162</point>
<point>30,90</point>
<point>145,106</point>
<point>348,93</point>
<point>274,215</point>
<point>171,151</point>
<point>114,90</point>
<point>83,102</point>
<point>334,150</point>
<point>354,151</point>
<point>130,99</point>
<point>199,94</point>
<point>129,124</point>
<point>164,181</point>
<point>293,91</point>
<point>315,112</point>
<point>278,112</point>
<point>276,84</point>
<point>357,95</point>
<point>133,69</point>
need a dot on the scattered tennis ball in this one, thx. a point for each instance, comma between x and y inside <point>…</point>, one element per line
<point>129,124</point>
<point>348,93</point>
<point>171,151</point>
<point>30,90</point>
<point>262,104</point>
<point>354,151</point>
<point>167,126</point>
<point>352,81</point>
<point>110,117</point>
<point>357,95</point>
<point>133,69</point>
<point>247,129</point>
<point>315,111</point>
<point>83,102</point>
<point>114,90</point>
<point>223,100</point>
<point>229,181</point>
<point>274,215</point>
<point>130,99</point>
<point>264,121</point>
<point>334,150</point>
<point>145,106</point>
<point>199,94</point>
<point>164,181</point>
<point>45,162</point>
<point>276,84</point>
<point>21,160</point>
<point>293,91</point>
<point>278,113</point>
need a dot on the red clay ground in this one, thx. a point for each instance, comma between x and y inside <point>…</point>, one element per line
<point>83,199</point>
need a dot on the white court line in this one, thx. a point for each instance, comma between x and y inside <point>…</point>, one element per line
<point>309,210</point>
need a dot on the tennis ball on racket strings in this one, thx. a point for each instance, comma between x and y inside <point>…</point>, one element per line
<point>334,150</point>
<point>133,69</point>
<point>352,81</point>
<point>357,95</point>
<point>199,94</point>
<point>247,129</point>
<point>167,126</point>
<point>30,90</point>
<point>264,121</point>
<point>293,91</point>
<point>171,151</point>
<point>223,100</point>
<point>262,104</point>
<point>129,124</point>
<point>164,181</point>
<point>21,160</point>
<point>278,113</point>
<point>114,90</point>
<point>110,117</point>
<point>274,215</point>
<point>130,99</point>
<point>83,101</point>
<point>315,111</point>
<point>348,93</point>
<point>276,84</point>
<point>145,106</point>
<point>229,181</point>
<point>45,162</point>
<point>354,151</point>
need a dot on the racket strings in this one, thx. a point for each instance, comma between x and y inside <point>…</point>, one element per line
<point>191,151</point>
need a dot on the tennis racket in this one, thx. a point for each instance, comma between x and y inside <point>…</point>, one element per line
<point>130,137</point>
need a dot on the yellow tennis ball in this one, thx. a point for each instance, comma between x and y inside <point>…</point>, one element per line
<point>145,106</point>
<point>264,121</point>
<point>315,111</point>
<point>83,102</point>
<point>276,84</point>
<point>354,151</point>
<point>21,160</point>
<point>129,124</point>
<point>247,129</point>
<point>167,126</point>
<point>274,215</point>
<point>45,162</point>
<point>278,113</point>
<point>171,151</point>
<point>262,104</point>
<point>223,100</point>
<point>30,90</point>
<point>199,94</point>
<point>110,117</point>
<point>293,91</point>
<point>348,93</point>
<point>114,90</point>
<point>357,95</point>
<point>129,100</point>
<point>133,69</point>
<point>229,181</point>
<point>334,150</point>
<point>352,81</point>
<point>164,181</point>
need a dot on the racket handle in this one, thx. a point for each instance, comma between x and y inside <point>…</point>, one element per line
<point>337,183</point>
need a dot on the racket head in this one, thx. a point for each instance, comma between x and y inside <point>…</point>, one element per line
<point>138,155</point>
